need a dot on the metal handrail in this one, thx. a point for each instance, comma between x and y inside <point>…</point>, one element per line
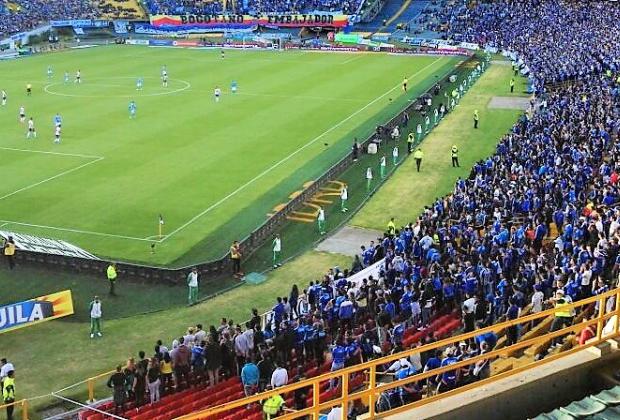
<point>373,390</point>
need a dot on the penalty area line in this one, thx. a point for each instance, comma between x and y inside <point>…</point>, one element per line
<point>290,156</point>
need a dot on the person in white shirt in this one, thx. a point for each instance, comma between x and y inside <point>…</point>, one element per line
<point>279,377</point>
<point>200,335</point>
<point>5,368</point>
<point>95,317</point>
<point>537,299</point>
<point>192,284</point>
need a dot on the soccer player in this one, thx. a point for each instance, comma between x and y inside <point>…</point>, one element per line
<point>95,317</point>
<point>164,77</point>
<point>382,166</point>
<point>28,89</point>
<point>320,218</point>
<point>32,131</point>
<point>395,155</point>
<point>22,114</point>
<point>78,77</point>
<point>4,98</point>
<point>57,135</point>
<point>139,83</point>
<point>50,72</point>
<point>233,86</point>
<point>57,120</point>
<point>344,196</point>
<point>217,92</point>
<point>277,250</point>
<point>66,78</point>
<point>368,178</point>
<point>405,81</point>
<point>132,110</point>
<point>222,54</point>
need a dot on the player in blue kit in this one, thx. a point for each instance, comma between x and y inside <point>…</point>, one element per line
<point>233,86</point>
<point>57,120</point>
<point>139,83</point>
<point>132,110</point>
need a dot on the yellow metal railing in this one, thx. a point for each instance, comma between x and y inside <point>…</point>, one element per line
<point>372,387</point>
<point>23,404</point>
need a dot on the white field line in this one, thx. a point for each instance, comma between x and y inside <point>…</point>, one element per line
<point>51,178</point>
<point>84,232</point>
<point>321,98</point>
<point>287,158</point>
<point>13,149</point>
<point>352,59</point>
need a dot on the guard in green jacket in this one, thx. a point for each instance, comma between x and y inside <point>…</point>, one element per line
<point>476,118</point>
<point>272,406</point>
<point>512,85</point>
<point>8,393</point>
<point>112,275</point>
<point>455,157</point>
<point>418,155</point>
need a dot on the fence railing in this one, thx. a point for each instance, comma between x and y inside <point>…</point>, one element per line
<point>377,382</point>
<point>21,404</point>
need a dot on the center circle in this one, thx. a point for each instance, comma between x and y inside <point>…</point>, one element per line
<point>109,82</point>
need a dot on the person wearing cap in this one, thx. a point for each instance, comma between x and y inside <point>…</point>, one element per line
<point>448,380</point>
<point>95,317</point>
<point>563,316</point>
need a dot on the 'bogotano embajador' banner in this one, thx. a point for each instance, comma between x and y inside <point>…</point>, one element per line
<point>214,23</point>
<point>34,311</point>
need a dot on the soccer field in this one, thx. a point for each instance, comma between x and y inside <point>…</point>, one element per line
<point>212,170</point>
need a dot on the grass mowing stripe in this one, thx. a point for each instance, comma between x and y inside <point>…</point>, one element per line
<point>285,159</point>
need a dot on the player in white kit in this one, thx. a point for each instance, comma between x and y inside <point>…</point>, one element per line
<point>32,132</point>
<point>217,92</point>
<point>57,134</point>
<point>22,114</point>
<point>4,98</point>
<point>78,77</point>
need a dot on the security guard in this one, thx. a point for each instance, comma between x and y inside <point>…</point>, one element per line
<point>410,139</point>
<point>391,227</point>
<point>272,406</point>
<point>476,118</point>
<point>9,252</point>
<point>8,393</point>
<point>455,157</point>
<point>563,315</point>
<point>512,85</point>
<point>418,155</point>
<point>112,275</point>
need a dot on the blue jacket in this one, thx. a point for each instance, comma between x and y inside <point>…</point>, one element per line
<point>250,374</point>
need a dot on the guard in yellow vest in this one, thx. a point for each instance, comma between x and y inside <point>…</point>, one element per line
<point>391,227</point>
<point>272,406</point>
<point>112,275</point>
<point>455,156</point>
<point>9,252</point>
<point>8,393</point>
<point>512,85</point>
<point>418,155</point>
<point>563,316</point>
<point>476,118</point>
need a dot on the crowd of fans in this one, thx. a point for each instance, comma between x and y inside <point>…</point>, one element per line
<point>24,15</point>
<point>252,7</point>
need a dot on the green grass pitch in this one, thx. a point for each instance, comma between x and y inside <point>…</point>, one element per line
<point>212,170</point>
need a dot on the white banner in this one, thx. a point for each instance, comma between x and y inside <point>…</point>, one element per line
<point>32,243</point>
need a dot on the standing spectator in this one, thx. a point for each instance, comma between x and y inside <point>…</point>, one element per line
<point>181,358</point>
<point>112,276</point>
<point>192,284</point>
<point>277,251</point>
<point>213,359</point>
<point>139,381</point>
<point>9,252</point>
<point>166,369</point>
<point>249,378</point>
<point>279,377</point>
<point>235,257</point>
<point>154,383</point>
<point>117,383</point>
<point>95,317</point>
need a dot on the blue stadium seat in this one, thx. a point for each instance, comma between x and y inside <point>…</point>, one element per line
<point>609,396</point>
<point>584,408</point>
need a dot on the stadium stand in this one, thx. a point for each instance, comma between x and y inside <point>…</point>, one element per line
<point>535,223</point>
<point>24,15</point>
<point>601,406</point>
<point>251,6</point>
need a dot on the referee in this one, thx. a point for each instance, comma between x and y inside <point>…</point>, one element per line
<point>455,157</point>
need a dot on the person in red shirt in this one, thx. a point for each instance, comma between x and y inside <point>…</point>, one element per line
<point>586,334</point>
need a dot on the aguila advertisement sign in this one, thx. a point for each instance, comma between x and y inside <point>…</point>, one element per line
<point>34,311</point>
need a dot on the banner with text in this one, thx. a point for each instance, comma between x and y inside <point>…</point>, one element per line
<point>232,23</point>
<point>34,311</point>
<point>33,243</point>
